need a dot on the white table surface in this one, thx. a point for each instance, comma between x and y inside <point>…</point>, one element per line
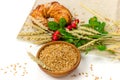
<point>15,63</point>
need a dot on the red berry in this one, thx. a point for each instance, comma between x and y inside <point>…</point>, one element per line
<point>55,38</point>
<point>56,33</point>
<point>73,25</point>
<point>69,27</point>
<point>77,21</point>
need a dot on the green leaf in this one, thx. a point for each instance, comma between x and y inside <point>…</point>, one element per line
<point>95,24</point>
<point>69,40</point>
<point>103,24</point>
<point>101,47</point>
<point>93,19</point>
<point>62,22</point>
<point>53,25</point>
<point>83,41</point>
<point>78,44</point>
<point>104,32</point>
<point>65,34</point>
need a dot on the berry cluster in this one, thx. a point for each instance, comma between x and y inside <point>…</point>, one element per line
<point>55,35</point>
<point>73,24</point>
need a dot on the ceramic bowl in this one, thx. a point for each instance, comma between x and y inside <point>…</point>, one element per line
<point>59,73</point>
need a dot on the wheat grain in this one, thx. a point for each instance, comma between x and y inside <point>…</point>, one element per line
<point>58,57</point>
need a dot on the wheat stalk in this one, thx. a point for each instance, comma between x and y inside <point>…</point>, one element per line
<point>89,30</point>
<point>91,11</point>
<point>80,36</point>
<point>38,23</point>
<point>35,26</point>
<point>98,14</point>
<point>38,37</point>
<point>38,61</point>
<point>91,43</point>
<point>82,32</point>
<point>42,41</point>
<point>30,33</point>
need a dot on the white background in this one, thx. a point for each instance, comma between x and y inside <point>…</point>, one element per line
<point>13,13</point>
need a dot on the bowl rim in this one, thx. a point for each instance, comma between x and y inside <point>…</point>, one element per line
<point>60,72</point>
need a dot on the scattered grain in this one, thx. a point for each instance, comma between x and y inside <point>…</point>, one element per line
<point>91,67</point>
<point>14,65</point>
<point>82,73</point>
<point>17,63</point>
<point>20,66</point>
<point>73,8</point>
<point>79,73</point>
<point>1,68</point>
<point>11,65</point>
<point>25,63</point>
<point>75,14</point>
<point>22,75</point>
<point>5,72</point>
<point>74,75</point>
<point>86,74</point>
<point>107,19</point>
<point>24,68</point>
<point>15,69</point>
<point>30,46</point>
<point>82,22</point>
<point>110,78</point>
<point>26,72</point>
<point>96,78</point>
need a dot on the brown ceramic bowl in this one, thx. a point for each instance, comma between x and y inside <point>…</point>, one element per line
<point>65,72</point>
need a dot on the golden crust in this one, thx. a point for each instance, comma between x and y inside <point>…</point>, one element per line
<point>53,10</point>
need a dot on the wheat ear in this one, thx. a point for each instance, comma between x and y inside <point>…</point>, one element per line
<point>91,43</point>
<point>88,29</point>
<point>80,36</point>
<point>30,33</point>
<point>38,23</point>
<point>42,41</point>
<point>38,61</point>
<point>82,32</point>
<point>97,14</point>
